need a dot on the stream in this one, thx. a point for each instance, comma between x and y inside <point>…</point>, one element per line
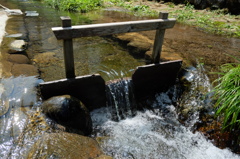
<point>121,131</point>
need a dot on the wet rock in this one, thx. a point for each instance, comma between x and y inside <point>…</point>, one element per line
<point>7,68</point>
<point>13,11</point>
<point>18,58</point>
<point>136,43</point>
<point>18,46</point>
<point>24,69</point>
<point>167,54</point>
<point>68,111</point>
<point>45,58</point>
<point>66,145</point>
<point>104,157</point>
<point>4,105</point>
<point>18,35</point>
<point>31,13</point>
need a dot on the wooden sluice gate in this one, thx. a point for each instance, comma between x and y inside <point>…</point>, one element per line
<point>90,89</point>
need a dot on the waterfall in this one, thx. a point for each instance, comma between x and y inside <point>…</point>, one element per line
<point>120,98</point>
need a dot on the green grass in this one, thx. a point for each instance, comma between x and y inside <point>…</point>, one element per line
<point>216,22</point>
<point>75,5</point>
<point>227,93</point>
<point>210,21</point>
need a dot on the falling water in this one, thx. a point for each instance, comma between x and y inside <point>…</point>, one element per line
<point>120,98</point>
<point>157,133</point>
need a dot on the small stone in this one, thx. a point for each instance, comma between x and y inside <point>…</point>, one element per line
<point>18,58</point>
<point>18,45</point>
<point>24,69</point>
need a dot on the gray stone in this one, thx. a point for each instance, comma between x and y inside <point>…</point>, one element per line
<point>68,111</point>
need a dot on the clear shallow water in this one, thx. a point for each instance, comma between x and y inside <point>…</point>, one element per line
<point>19,98</point>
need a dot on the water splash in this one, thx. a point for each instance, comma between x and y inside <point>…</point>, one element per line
<point>154,135</point>
<point>157,133</point>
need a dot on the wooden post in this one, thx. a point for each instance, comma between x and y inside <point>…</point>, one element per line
<point>68,50</point>
<point>158,42</point>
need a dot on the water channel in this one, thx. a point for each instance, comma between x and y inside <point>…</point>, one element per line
<point>155,133</point>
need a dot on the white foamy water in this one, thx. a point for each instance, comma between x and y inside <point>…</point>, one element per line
<point>157,133</point>
<point>153,135</point>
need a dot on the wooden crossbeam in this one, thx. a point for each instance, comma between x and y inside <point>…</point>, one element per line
<point>67,32</point>
<point>111,28</point>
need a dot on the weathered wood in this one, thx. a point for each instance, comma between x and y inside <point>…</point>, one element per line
<point>158,42</point>
<point>112,28</point>
<point>150,79</point>
<point>68,50</point>
<point>89,89</point>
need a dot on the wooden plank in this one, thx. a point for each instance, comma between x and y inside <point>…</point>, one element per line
<point>89,89</point>
<point>68,50</point>
<point>158,42</point>
<point>154,78</point>
<point>112,28</point>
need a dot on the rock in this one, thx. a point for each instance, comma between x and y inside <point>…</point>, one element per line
<point>68,111</point>
<point>24,69</point>
<point>136,43</point>
<point>67,146</point>
<point>13,11</point>
<point>6,68</point>
<point>18,58</point>
<point>4,105</point>
<point>104,157</point>
<point>167,54</point>
<point>45,58</point>
<point>18,35</point>
<point>18,46</point>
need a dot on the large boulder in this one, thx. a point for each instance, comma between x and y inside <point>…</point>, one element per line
<point>68,111</point>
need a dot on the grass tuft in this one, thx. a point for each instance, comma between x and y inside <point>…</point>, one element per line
<point>227,93</point>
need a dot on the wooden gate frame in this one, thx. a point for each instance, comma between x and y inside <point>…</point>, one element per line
<point>67,32</point>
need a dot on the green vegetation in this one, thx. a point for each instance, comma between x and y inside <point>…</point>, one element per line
<point>139,9</point>
<point>75,5</point>
<point>227,93</point>
<point>217,21</point>
<point>211,21</point>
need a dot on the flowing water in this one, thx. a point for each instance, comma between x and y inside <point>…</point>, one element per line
<point>157,133</point>
<point>122,130</point>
